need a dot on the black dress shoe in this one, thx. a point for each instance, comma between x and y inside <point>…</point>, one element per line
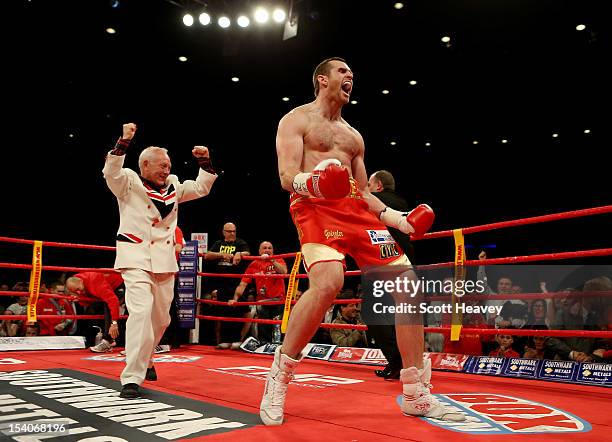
<point>382,373</point>
<point>130,391</point>
<point>392,374</point>
<point>388,373</point>
<point>151,374</point>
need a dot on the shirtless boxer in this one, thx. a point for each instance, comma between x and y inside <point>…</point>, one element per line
<point>321,162</point>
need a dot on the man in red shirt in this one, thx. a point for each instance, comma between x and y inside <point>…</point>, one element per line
<point>55,306</point>
<point>268,289</point>
<point>101,286</point>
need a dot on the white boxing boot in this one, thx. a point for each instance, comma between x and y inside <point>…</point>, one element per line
<point>272,404</point>
<point>417,399</point>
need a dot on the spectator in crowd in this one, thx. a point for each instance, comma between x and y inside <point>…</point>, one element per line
<point>4,300</point>
<point>21,286</point>
<point>55,306</point>
<point>267,289</point>
<point>102,286</point>
<point>348,315</point>
<point>555,304</point>
<point>603,353</point>
<point>514,311</point>
<point>536,348</point>
<point>570,317</point>
<point>225,256</point>
<point>32,330</point>
<point>594,307</point>
<point>18,327</point>
<point>538,314</point>
<point>516,289</point>
<point>3,325</point>
<point>504,347</point>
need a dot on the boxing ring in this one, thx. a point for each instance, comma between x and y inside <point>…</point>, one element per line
<point>205,393</point>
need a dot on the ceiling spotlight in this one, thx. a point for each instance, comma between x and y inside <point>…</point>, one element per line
<point>413,82</point>
<point>385,91</point>
<point>580,27</point>
<point>182,58</point>
<point>285,98</point>
<point>110,31</point>
<point>445,39</point>
<point>235,79</point>
<point>261,15</point>
<point>279,15</point>
<point>427,144</point>
<point>398,5</point>
<point>475,142</point>
<point>243,21</point>
<point>353,101</point>
<point>224,22</point>
<point>504,141</point>
<point>204,19</point>
<point>555,135</point>
<point>188,20</point>
<point>392,143</point>
<point>587,131</point>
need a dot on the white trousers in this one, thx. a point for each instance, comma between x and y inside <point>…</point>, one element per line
<point>148,297</point>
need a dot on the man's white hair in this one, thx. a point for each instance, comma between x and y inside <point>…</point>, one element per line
<point>149,154</point>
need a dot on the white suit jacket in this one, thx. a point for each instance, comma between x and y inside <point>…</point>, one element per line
<point>145,239</point>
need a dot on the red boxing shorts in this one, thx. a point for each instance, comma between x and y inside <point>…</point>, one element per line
<point>330,229</point>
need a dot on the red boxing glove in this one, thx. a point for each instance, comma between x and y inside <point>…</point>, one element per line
<point>421,218</point>
<point>328,180</point>
<point>417,222</point>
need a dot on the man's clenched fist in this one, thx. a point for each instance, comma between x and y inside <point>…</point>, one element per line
<point>129,129</point>
<point>200,152</point>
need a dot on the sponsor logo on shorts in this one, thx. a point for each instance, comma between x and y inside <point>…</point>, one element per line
<point>333,234</point>
<point>304,380</point>
<point>388,251</point>
<point>496,414</point>
<point>380,237</point>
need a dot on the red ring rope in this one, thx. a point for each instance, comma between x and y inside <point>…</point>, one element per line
<point>440,234</point>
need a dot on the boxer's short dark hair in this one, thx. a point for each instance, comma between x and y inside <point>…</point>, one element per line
<point>323,68</point>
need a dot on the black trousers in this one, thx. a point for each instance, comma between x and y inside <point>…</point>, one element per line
<point>265,331</point>
<point>384,337</point>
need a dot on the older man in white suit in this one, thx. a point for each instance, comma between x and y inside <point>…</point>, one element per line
<point>148,209</point>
